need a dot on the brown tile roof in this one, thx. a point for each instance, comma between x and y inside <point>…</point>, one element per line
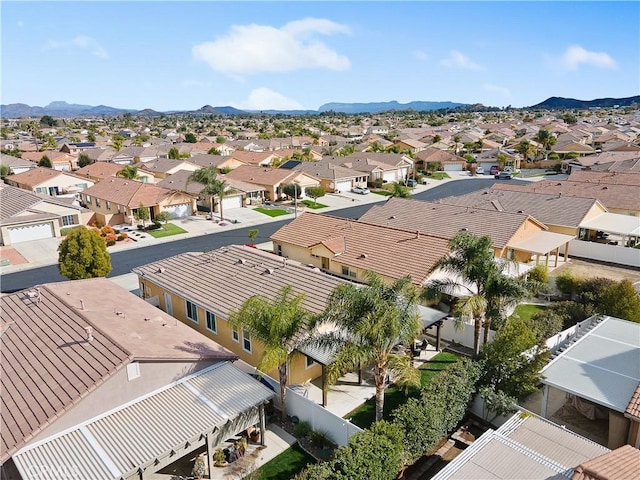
<point>548,209</point>
<point>609,178</point>
<point>261,175</point>
<point>387,159</point>
<point>14,200</point>
<point>327,170</point>
<point>15,162</point>
<point>388,251</point>
<point>163,165</point>
<point>205,160</point>
<point>131,193</point>
<point>446,221</point>
<point>230,275</point>
<point>620,464</point>
<point>633,409</point>
<point>611,196</point>
<point>35,176</point>
<point>252,158</point>
<point>48,365</point>
<point>99,170</point>
<point>433,154</point>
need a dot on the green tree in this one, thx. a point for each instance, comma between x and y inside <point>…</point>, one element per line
<point>512,361</point>
<point>91,136</point>
<point>84,160</point>
<point>83,254</point>
<point>49,143</point>
<point>456,143</point>
<point>129,172</point>
<point>400,191</point>
<point>253,234</point>
<point>220,139</point>
<point>190,138</point>
<point>486,288</point>
<point>372,319</point>
<point>292,190</point>
<point>142,213</point>
<point>279,324</point>
<point>212,186</point>
<point>45,162</point>
<point>164,216</point>
<point>525,149</point>
<point>48,121</point>
<point>315,192</point>
<point>5,170</point>
<point>214,151</point>
<point>545,138</point>
<point>174,153</point>
<point>545,324</point>
<point>437,138</point>
<point>620,300</point>
<point>117,140</point>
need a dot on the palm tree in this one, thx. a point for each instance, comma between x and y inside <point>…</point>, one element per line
<point>525,149</point>
<point>371,320</point>
<point>545,138</point>
<point>280,325</point>
<point>129,172</point>
<point>399,191</point>
<point>471,268</point>
<point>212,185</point>
<point>456,143</point>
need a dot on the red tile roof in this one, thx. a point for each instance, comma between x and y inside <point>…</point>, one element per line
<point>633,409</point>
<point>620,464</point>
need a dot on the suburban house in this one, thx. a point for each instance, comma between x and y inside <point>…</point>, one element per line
<point>333,178</point>
<point>222,163</point>
<point>75,148</point>
<point>101,154</point>
<point>259,159</point>
<point>409,145</point>
<point>99,170</point>
<point>202,289</point>
<point>116,200</point>
<point>60,160</point>
<point>271,180</point>
<point>351,249</point>
<point>447,161</point>
<point>514,235</point>
<point>26,216</point>
<point>16,165</point>
<point>48,181</point>
<point>163,167</point>
<point>99,384</point>
<point>388,167</point>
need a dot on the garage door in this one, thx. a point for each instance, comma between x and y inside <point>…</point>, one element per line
<point>344,186</point>
<point>30,232</point>
<point>233,201</point>
<point>389,176</point>
<point>179,211</point>
<point>453,167</point>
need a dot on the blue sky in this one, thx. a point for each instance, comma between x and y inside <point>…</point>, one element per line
<point>289,55</point>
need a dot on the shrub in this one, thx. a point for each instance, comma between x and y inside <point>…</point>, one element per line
<point>545,324</point>
<point>539,273</point>
<point>301,429</point>
<point>110,243</point>
<point>65,231</point>
<point>567,284</point>
<point>375,183</point>
<point>319,438</point>
<point>107,230</point>
<point>121,237</point>
<point>140,227</point>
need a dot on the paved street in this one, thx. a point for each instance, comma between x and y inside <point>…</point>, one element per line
<point>206,235</point>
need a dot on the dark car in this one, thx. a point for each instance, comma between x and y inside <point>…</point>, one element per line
<point>494,170</point>
<point>411,182</point>
<point>503,176</point>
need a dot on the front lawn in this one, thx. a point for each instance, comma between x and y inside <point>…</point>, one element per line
<point>526,311</point>
<point>313,205</point>
<point>437,175</point>
<point>384,193</point>
<point>166,231</point>
<point>276,212</point>
<point>365,414</point>
<point>286,465</point>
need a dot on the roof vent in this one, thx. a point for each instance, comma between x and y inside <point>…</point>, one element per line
<point>363,255</point>
<point>605,188</point>
<point>520,211</point>
<point>464,229</point>
<point>558,184</point>
<point>89,331</point>
<point>161,270</point>
<point>392,217</point>
<point>241,261</point>
<point>81,304</point>
<point>268,271</point>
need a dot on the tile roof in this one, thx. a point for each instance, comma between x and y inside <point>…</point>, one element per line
<point>126,192</point>
<point>206,160</point>
<point>178,181</point>
<point>546,208</point>
<point>620,464</point>
<point>15,162</point>
<point>262,175</point>
<point>252,158</point>
<point>633,409</point>
<point>388,159</point>
<point>48,365</point>
<point>433,154</point>
<point>164,165</point>
<point>611,196</point>
<point>444,220</point>
<point>230,275</point>
<point>35,176</point>
<point>388,251</point>
<point>14,200</point>
<point>327,170</point>
<point>609,178</point>
<point>100,170</point>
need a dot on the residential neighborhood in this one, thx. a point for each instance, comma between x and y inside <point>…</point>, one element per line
<point>230,357</point>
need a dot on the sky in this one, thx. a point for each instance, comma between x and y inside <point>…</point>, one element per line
<point>302,54</point>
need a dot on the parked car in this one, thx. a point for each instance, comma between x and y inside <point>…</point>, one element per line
<point>480,171</point>
<point>503,176</point>
<point>411,182</point>
<point>360,190</point>
<point>494,170</point>
<point>508,169</point>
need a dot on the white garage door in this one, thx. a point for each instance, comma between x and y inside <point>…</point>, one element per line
<point>452,167</point>
<point>389,176</point>
<point>30,232</point>
<point>232,201</point>
<point>344,186</point>
<point>179,211</point>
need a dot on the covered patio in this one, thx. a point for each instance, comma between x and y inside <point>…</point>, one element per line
<point>545,245</point>
<point>612,229</point>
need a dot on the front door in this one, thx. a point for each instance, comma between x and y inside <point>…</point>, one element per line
<point>167,304</point>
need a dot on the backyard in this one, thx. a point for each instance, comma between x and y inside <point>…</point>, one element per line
<point>526,310</point>
<point>285,465</point>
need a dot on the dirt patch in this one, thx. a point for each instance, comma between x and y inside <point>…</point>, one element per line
<point>11,255</point>
<point>581,268</point>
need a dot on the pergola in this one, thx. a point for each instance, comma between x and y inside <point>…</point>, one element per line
<point>626,226</point>
<point>545,243</point>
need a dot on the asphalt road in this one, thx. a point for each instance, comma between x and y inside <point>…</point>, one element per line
<point>123,262</point>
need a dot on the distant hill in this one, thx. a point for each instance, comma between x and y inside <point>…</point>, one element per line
<point>58,109</point>
<point>386,106</point>
<point>555,103</point>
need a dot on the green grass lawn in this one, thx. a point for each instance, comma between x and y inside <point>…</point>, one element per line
<point>311,204</point>
<point>276,212</point>
<point>286,465</point>
<point>438,175</point>
<point>384,193</point>
<point>525,312</point>
<point>365,414</point>
<point>166,231</point>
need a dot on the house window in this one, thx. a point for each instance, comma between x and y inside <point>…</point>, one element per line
<point>118,208</point>
<point>235,335</point>
<point>97,202</point>
<point>279,250</point>
<point>108,205</point>
<point>68,220</point>
<point>42,190</point>
<point>310,362</point>
<point>246,341</point>
<point>349,273</point>
<point>211,323</point>
<point>192,311</point>
<point>87,198</point>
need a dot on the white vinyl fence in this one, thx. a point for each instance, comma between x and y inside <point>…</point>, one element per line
<point>605,253</point>
<point>464,337</point>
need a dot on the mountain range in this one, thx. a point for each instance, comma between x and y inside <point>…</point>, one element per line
<point>64,109</point>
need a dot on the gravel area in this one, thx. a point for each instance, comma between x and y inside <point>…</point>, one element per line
<point>581,268</point>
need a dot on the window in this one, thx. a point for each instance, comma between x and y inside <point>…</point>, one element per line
<point>192,311</point>
<point>350,273</point>
<point>246,341</point>
<point>87,198</point>
<point>118,208</point>
<point>234,334</point>
<point>279,250</point>
<point>43,190</point>
<point>108,205</point>
<point>211,322</point>
<point>68,220</point>
<point>97,202</point>
<point>310,362</point>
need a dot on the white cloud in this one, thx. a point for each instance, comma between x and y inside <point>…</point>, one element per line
<point>266,99</point>
<point>420,55</point>
<point>248,49</point>
<point>575,55</point>
<point>457,59</point>
<point>504,91</point>
<point>82,42</point>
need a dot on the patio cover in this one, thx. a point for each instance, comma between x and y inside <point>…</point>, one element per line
<point>602,366</point>
<point>625,225</point>
<point>430,316</point>
<point>146,432</point>
<point>543,242</point>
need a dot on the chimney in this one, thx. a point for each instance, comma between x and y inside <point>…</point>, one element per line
<point>89,331</point>
<point>81,304</point>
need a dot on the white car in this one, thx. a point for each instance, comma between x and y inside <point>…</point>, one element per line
<point>479,171</point>
<point>360,190</point>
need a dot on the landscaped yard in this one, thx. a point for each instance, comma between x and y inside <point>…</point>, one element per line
<point>526,311</point>
<point>365,415</point>
<point>384,193</point>
<point>166,231</point>
<point>276,212</point>
<point>313,205</point>
<point>437,175</point>
<point>286,465</point>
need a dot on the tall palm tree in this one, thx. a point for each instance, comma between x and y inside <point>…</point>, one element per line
<point>212,186</point>
<point>545,138</point>
<point>471,268</point>
<point>371,320</point>
<point>280,325</point>
<point>456,143</point>
<point>399,191</point>
<point>129,172</point>
<point>525,149</point>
